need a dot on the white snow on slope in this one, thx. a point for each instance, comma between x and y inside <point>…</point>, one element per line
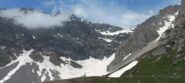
<point>168,24</point>
<point>22,59</point>
<point>108,33</point>
<point>118,73</point>
<point>33,37</point>
<point>105,39</point>
<point>127,56</point>
<point>59,35</point>
<point>48,66</point>
<point>2,47</point>
<point>90,67</point>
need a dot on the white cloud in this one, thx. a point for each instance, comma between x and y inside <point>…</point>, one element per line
<point>130,18</point>
<point>34,19</point>
<point>95,11</point>
<point>79,11</point>
<point>90,10</point>
<point>53,5</point>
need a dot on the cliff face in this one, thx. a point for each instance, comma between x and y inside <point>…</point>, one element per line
<point>177,35</point>
<point>174,38</point>
<point>57,52</point>
<point>76,39</point>
<point>144,34</point>
<point>181,16</point>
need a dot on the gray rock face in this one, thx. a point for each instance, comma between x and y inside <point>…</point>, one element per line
<point>77,40</point>
<point>159,51</point>
<point>28,77</point>
<point>142,36</point>
<point>174,39</point>
<point>6,70</point>
<point>177,36</point>
<point>181,16</point>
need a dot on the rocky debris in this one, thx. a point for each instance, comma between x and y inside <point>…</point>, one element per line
<point>159,51</point>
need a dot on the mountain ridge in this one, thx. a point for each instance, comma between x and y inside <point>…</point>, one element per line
<point>83,49</point>
<point>163,62</point>
<point>143,34</point>
<point>55,53</point>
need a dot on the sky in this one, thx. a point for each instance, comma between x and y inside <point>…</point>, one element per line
<point>123,13</point>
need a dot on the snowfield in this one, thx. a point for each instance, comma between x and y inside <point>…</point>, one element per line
<point>108,33</point>
<point>168,25</point>
<point>90,67</point>
<point>127,56</point>
<point>106,39</point>
<point>22,60</point>
<point>118,73</point>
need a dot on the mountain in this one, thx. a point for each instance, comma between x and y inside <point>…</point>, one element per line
<point>154,53</point>
<point>83,52</point>
<point>144,37</point>
<point>34,55</point>
<point>164,61</point>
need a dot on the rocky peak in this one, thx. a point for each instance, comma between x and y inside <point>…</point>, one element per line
<point>181,15</point>
<point>75,18</point>
<point>182,8</point>
<point>169,10</point>
<point>76,39</point>
<point>142,36</point>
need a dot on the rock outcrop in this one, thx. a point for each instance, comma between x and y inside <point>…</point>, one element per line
<point>144,34</point>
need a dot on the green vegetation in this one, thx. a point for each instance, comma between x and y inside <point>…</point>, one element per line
<point>166,68</point>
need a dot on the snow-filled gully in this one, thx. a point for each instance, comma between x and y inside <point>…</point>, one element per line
<point>90,67</point>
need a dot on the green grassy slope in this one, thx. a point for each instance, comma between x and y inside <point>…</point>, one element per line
<point>166,68</point>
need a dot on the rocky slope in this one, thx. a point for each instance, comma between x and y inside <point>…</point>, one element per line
<point>30,55</point>
<point>144,37</point>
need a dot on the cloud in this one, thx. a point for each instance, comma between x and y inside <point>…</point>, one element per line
<point>80,12</point>
<point>34,19</point>
<point>97,12</point>
<point>53,5</point>
<point>131,18</point>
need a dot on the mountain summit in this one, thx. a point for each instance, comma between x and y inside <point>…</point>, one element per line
<point>58,52</point>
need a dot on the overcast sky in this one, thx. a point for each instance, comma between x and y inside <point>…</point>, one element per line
<point>116,12</point>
